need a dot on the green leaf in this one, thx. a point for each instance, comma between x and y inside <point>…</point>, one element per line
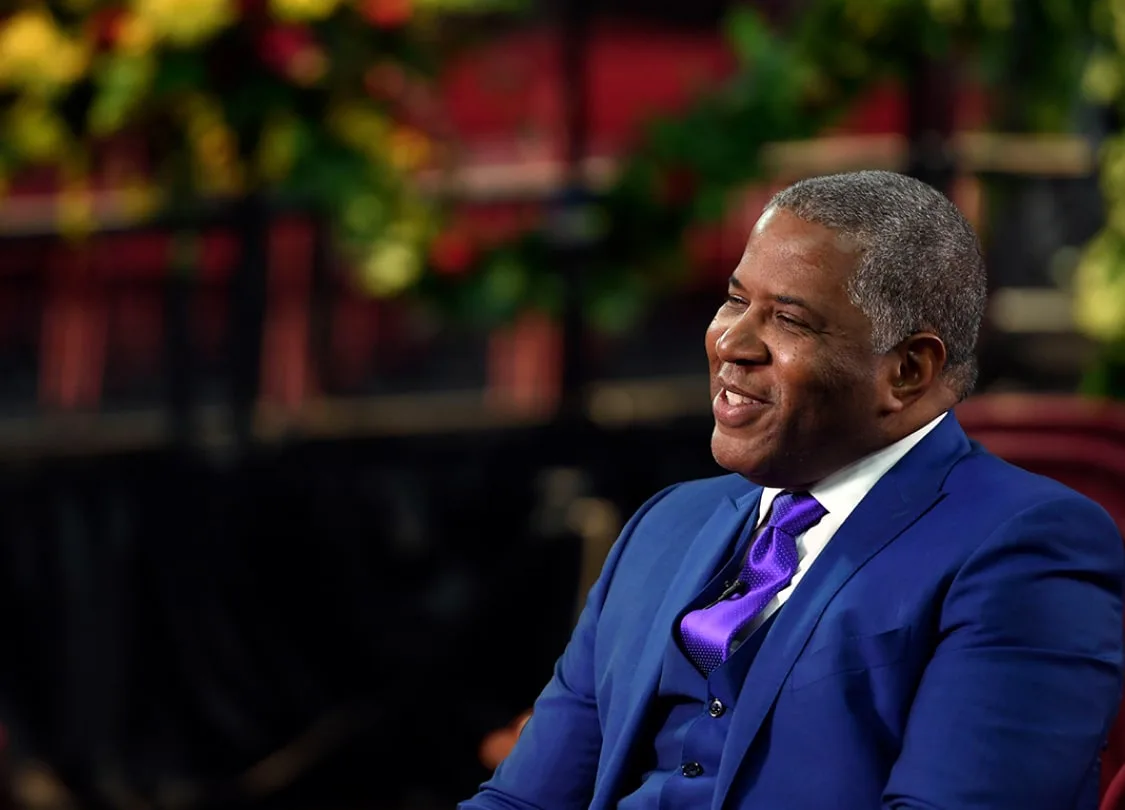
<point>498,292</point>
<point>711,204</point>
<point>248,103</point>
<point>1105,377</point>
<point>180,71</point>
<point>121,84</point>
<point>547,293</point>
<point>330,175</point>
<point>747,34</point>
<point>616,308</point>
<point>669,140</point>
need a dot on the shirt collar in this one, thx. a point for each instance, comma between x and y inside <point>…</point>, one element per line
<point>841,492</point>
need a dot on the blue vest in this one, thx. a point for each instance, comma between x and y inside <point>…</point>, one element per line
<point>689,717</point>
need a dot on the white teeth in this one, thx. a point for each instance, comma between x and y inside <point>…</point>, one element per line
<point>736,399</point>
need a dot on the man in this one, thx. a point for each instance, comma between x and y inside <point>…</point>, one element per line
<point>872,611</point>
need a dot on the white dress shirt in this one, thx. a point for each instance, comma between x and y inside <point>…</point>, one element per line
<point>839,493</point>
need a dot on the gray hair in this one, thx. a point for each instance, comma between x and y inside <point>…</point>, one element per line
<point>921,267</point>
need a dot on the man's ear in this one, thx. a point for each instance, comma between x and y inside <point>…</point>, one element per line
<point>912,368</point>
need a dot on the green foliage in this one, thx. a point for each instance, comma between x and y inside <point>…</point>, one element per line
<point>317,109</point>
<point>794,83</point>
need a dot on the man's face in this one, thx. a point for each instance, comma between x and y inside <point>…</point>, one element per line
<point>794,382</point>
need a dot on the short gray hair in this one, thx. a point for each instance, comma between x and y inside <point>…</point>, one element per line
<point>921,267</point>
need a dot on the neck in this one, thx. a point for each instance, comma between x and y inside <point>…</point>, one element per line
<point>917,415</point>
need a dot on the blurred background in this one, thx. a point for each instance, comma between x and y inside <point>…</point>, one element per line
<point>338,339</point>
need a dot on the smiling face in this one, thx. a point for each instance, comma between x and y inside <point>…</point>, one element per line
<point>798,391</point>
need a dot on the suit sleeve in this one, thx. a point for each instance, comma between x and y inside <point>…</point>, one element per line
<point>555,762</point>
<point>1013,709</point>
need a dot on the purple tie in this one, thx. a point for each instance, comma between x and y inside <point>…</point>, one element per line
<point>707,633</point>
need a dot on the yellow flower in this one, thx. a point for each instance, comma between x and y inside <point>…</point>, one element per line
<point>214,150</point>
<point>135,35</point>
<point>200,113</point>
<point>464,5</point>
<point>948,12</point>
<point>27,38</point>
<point>997,14</point>
<point>866,17</point>
<point>408,149</point>
<point>1112,159</point>
<point>35,131</point>
<point>139,200</point>
<point>184,23</point>
<point>36,55</point>
<point>1099,289</point>
<point>1116,14</point>
<point>414,219</point>
<point>359,126</point>
<point>391,267</point>
<point>302,10</point>
<point>74,211</point>
<point>221,180</point>
<point>1102,79</point>
<point>277,149</point>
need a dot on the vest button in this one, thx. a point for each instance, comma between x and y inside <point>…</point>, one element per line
<point>691,769</point>
<point>716,708</point>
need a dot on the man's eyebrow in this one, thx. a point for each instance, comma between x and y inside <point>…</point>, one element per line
<point>734,282</point>
<point>793,302</point>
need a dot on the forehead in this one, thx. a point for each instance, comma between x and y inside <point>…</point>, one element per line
<point>783,248</point>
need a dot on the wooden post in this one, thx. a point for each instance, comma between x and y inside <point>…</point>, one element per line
<point>72,351</point>
<point>287,373</point>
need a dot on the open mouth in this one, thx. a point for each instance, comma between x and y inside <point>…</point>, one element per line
<point>739,399</point>
<point>736,409</point>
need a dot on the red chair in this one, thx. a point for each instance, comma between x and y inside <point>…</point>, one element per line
<point>1080,443</point>
<point>1114,797</point>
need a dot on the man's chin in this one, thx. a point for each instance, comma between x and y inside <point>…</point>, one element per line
<point>737,455</point>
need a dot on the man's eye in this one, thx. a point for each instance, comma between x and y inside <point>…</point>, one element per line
<point>735,301</point>
<point>789,320</point>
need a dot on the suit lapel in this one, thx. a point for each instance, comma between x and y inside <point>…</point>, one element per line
<point>698,563</point>
<point>903,495</point>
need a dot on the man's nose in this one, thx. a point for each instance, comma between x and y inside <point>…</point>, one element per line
<point>741,344</point>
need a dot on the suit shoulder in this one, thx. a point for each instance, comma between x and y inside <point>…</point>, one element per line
<point>994,486</point>
<point>706,493</point>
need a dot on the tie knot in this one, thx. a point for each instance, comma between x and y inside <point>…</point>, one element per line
<point>795,513</point>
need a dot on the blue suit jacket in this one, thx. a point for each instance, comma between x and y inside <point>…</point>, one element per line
<point>957,645</point>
